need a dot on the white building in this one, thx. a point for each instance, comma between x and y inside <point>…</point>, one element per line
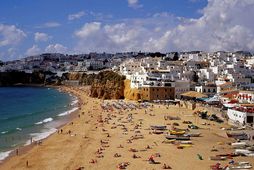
<point>209,89</point>
<point>246,96</point>
<point>206,74</point>
<point>241,115</point>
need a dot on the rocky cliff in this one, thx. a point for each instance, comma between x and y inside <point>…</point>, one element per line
<point>105,85</point>
<point>16,78</point>
<point>131,93</point>
<point>108,85</point>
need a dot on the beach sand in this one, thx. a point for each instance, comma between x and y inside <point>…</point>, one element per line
<point>90,138</point>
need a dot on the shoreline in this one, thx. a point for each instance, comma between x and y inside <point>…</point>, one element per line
<point>26,147</point>
<point>93,139</point>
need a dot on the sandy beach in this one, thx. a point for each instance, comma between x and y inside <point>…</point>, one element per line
<point>100,139</point>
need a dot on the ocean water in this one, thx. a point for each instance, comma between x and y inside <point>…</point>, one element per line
<point>31,113</point>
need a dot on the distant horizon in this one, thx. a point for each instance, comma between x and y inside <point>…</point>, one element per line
<point>130,52</point>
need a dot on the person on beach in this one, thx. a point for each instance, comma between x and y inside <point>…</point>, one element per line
<point>151,160</point>
<point>27,163</point>
<point>116,155</point>
<point>17,152</point>
<point>93,161</point>
<point>148,147</point>
<point>166,166</point>
<point>135,156</point>
<point>120,146</point>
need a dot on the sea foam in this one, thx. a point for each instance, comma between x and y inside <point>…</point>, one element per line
<point>68,112</point>
<point>41,135</point>
<point>74,102</point>
<point>3,155</point>
<point>45,121</point>
<point>4,132</point>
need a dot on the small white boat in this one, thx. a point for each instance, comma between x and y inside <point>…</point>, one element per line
<point>238,144</point>
<point>185,142</point>
<point>244,152</point>
<point>241,167</point>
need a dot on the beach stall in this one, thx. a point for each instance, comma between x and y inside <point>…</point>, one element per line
<point>192,95</point>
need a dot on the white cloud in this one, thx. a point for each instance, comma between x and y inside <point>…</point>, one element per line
<point>128,35</point>
<point>76,15</point>
<point>88,29</point>
<point>10,35</point>
<point>224,25</point>
<point>56,48</point>
<point>40,36</point>
<point>134,3</point>
<point>34,50</point>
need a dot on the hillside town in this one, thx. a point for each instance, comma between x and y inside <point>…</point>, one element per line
<point>222,79</point>
<point>209,93</point>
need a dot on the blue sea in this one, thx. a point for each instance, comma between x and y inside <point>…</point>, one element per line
<point>31,113</point>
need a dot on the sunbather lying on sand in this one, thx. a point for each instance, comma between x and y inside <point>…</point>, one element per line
<point>151,160</point>
<point>148,147</point>
<point>123,165</point>
<point>93,161</point>
<point>166,166</point>
<point>135,156</point>
<point>133,150</point>
<point>116,155</point>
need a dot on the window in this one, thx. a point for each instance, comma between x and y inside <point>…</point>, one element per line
<point>157,95</point>
<point>166,90</point>
<point>153,89</point>
<point>208,90</point>
<point>204,90</point>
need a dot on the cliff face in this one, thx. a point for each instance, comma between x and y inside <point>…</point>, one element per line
<point>13,78</point>
<point>131,93</point>
<point>105,85</point>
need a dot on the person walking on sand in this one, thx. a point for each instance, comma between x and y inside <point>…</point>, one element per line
<point>27,163</point>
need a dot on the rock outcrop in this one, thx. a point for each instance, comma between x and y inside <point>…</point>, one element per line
<point>131,93</point>
<point>21,78</point>
<point>105,85</point>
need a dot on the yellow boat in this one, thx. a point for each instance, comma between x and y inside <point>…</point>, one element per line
<point>181,146</point>
<point>186,145</point>
<point>173,132</point>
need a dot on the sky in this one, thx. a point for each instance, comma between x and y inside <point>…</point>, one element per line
<point>30,27</point>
